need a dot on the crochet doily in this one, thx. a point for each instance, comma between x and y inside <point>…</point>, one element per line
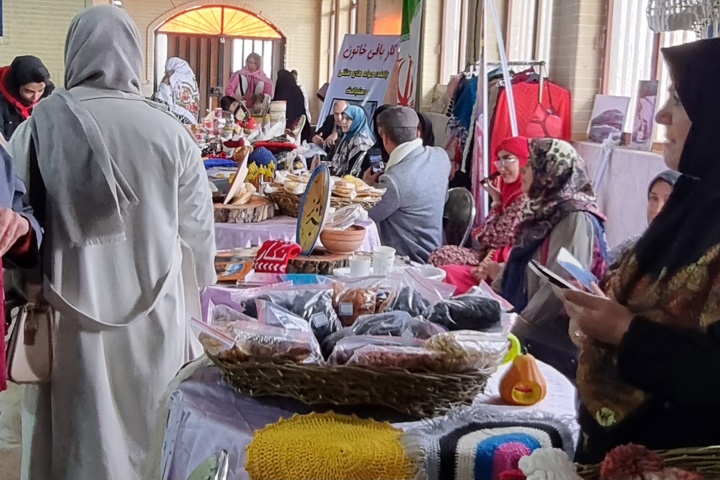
<point>328,447</point>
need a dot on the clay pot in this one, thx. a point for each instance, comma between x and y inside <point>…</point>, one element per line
<point>343,241</point>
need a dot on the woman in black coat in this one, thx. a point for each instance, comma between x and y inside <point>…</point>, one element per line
<point>287,89</point>
<point>22,85</point>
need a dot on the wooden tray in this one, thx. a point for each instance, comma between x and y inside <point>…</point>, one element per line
<point>258,209</point>
<point>321,262</point>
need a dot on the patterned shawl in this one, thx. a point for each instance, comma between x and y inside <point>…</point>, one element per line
<point>356,141</point>
<point>560,186</point>
<point>183,97</point>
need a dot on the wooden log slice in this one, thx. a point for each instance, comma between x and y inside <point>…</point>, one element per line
<point>258,209</point>
<point>321,262</point>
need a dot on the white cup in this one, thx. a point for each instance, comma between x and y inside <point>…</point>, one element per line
<point>359,266</point>
<point>383,260</point>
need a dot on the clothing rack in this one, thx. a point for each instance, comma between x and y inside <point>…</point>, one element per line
<point>518,63</point>
<point>490,13</point>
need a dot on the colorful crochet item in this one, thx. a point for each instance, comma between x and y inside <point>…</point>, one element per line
<point>328,446</point>
<point>261,156</point>
<point>471,444</point>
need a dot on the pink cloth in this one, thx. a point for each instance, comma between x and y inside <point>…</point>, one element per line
<point>461,277</point>
<point>253,78</point>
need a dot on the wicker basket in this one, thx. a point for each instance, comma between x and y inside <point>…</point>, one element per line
<point>289,204</point>
<point>421,395</point>
<point>702,460</point>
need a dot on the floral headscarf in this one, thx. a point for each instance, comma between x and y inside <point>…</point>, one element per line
<point>183,97</point>
<point>560,187</point>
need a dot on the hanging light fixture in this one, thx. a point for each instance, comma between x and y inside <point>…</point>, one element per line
<point>672,15</point>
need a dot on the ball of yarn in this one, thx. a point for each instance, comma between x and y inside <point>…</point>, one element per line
<point>262,157</point>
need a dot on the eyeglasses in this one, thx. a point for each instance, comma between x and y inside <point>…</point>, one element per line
<point>505,162</point>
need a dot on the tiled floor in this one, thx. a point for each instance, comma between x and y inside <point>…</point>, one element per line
<point>10,429</point>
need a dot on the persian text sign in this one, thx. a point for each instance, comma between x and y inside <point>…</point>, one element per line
<point>362,72</point>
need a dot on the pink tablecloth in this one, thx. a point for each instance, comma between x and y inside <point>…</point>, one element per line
<point>246,235</point>
<point>207,415</point>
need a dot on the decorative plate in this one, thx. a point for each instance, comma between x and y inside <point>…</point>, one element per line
<point>313,209</point>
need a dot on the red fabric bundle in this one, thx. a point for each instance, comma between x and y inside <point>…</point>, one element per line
<point>276,146</point>
<point>274,256</point>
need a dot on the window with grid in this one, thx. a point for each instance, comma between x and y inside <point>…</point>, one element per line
<point>529,31</point>
<point>633,54</point>
<point>454,38</point>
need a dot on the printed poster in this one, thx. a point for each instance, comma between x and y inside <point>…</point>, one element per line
<point>644,123</point>
<point>362,72</point>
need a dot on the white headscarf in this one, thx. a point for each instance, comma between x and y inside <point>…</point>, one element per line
<point>183,96</point>
<point>89,194</point>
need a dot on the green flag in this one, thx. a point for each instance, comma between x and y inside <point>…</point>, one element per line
<point>411,8</point>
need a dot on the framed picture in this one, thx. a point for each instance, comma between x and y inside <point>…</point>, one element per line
<point>608,119</point>
<point>644,122</point>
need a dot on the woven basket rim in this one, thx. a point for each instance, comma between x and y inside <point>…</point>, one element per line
<point>486,370</point>
<point>420,394</point>
<point>704,460</point>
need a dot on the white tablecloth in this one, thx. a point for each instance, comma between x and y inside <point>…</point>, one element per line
<point>622,192</point>
<point>246,235</point>
<point>207,415</point>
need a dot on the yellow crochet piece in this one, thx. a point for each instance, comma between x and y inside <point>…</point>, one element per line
<point>326,446</point>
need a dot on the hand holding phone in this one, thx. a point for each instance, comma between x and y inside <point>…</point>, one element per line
<point>573,266</point>
<point>376,161</point>
<point>554,279</point>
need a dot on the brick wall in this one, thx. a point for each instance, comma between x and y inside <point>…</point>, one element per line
<point>38,27</point>
<point>577,54</point>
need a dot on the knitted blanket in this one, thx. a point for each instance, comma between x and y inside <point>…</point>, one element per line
<point>469,444</point>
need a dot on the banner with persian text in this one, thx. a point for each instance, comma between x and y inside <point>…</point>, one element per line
<point>362,72</point>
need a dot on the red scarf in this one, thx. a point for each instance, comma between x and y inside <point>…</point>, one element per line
<point>518,146</point>
<point>12,99</point>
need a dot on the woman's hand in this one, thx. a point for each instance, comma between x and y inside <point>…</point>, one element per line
<point>487,270</point>
<point>598,317</point>
<point>494,193</point>
<point>318,140</point>
<point>13,227</point>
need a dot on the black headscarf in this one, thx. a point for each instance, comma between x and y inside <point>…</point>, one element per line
<point>27,69</point>
<point>428,136</point>
<point>689,225</point>
<point>378,141</point>
<point>287,89</point>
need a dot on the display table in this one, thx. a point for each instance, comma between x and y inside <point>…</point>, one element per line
<point>622,188</point>
<point>206,415</point>
<point>246,235</point>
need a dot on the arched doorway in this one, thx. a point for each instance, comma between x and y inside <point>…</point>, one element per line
<point>215,40</point>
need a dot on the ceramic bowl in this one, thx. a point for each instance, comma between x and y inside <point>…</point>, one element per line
<point>343,241</point>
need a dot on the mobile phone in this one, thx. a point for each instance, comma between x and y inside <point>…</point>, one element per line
<point>376,160</point>
<point>573,266</point>
<point>551,276</point>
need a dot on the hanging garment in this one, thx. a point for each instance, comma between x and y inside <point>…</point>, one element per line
<point>527,97</point>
